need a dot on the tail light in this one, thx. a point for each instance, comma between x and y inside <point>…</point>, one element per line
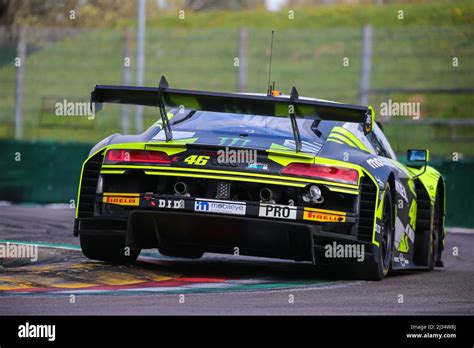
<point>338,174</point>
<point>137,156</point>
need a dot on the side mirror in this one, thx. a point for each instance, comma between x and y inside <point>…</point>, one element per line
<point>418,156</point>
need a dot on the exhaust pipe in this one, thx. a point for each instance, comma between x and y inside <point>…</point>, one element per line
<point>181,189</point>
<point>266,195</point>
<point>314,195</point>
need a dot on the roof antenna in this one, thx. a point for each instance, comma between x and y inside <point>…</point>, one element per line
<point>270,87</point>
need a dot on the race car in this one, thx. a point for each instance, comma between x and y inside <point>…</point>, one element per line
<point>264,175</point>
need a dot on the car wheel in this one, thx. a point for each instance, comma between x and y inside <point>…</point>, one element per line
<point>426,247</point>
<point>439,231</point>
<point>377,266</point>
<point>108,249</point>
<point>436,235</point>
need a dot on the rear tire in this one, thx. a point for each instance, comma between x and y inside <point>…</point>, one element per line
<point>108,249</point>
<point>377,266</point>
<point>439,233</point>
<point>428,245</point>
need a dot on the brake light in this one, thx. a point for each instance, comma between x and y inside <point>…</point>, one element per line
<point>137,156</point>
<point>344,175</point>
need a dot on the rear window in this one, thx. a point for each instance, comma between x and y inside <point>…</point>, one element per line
<point>263,126</point>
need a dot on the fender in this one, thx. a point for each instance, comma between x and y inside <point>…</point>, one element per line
<point>102,144</point>
<point>434,184</point>
<point>430,179</point>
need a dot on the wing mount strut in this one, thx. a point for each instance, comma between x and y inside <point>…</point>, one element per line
<point>161,105</point>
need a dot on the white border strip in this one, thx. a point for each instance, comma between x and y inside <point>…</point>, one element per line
<point>460,230</point>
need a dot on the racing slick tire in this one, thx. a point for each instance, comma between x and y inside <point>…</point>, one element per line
<point>439,234</point>
<point>427,247</point>
<point>188,253</point>
<point>108,249</point>
<point>377,266</point>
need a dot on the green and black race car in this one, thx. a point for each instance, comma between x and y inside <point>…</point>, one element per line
<point>263,175</point>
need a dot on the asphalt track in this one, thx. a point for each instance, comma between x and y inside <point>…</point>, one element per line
<point>214,285</point>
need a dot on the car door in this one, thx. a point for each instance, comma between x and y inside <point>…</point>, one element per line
<point>405,194</point>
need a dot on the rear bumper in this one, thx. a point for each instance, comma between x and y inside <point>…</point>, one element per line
<point>228,234</point>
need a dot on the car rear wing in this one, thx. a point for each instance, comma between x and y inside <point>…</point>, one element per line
<point>291,106</point>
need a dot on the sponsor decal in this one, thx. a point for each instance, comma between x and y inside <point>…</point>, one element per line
<point>165,203</point>
<point>401,190</point>
<point>277,211</point>
<point>401,260</point>
<point>171,203</point>
<point>220,207</point>
<point>324,215</point>
<point>375,162</point>
<point>379,182</point>
<point>256,165</point>
<point>230,141</point>
<point>121,200</point>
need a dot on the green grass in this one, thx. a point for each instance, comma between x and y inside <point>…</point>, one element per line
<point>198,53</point>
<point>440,13</point>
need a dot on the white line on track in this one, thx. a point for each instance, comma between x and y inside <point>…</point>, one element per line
<point>460,230</point>
<point>41,244</point>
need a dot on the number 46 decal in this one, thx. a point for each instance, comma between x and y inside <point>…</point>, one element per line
<point>197,160</point>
